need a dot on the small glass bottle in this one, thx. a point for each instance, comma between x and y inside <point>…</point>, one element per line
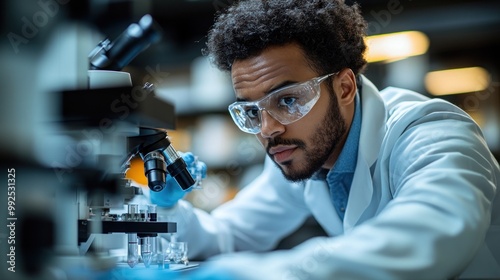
<point>152,214</point>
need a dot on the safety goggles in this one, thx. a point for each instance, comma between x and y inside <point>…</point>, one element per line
<point>286,105</point>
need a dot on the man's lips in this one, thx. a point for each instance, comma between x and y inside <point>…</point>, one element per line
<point>282,153</point>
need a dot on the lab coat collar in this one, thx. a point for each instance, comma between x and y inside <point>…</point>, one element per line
<point>373,121</point>
<point>373,128</point>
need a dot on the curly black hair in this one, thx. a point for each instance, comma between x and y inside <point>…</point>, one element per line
<point>330,32</point>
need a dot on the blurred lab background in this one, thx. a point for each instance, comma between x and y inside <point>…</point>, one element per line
<point>444,49</point>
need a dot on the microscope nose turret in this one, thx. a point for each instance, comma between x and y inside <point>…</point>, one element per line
<point>160,158</point>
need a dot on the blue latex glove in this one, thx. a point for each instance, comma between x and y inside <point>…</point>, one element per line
<point>172,192</point>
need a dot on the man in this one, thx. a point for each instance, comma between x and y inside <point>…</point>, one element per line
<point>404,186</point>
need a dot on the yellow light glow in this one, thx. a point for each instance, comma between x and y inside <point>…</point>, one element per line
<point>396,46</point>
<point>136,171</point>
<point>456,81</point>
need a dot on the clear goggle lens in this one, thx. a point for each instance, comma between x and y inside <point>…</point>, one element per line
<point>286,105</point>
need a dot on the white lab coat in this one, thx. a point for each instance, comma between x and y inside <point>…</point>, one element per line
<point>424,204</point>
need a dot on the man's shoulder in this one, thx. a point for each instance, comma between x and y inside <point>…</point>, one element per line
<point>392,96</point>
<point>404,102</point>
<point>408,109</point>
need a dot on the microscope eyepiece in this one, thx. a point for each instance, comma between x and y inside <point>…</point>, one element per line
<point>119,53</point>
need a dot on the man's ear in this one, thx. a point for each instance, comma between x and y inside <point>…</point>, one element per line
<point>345,86</point>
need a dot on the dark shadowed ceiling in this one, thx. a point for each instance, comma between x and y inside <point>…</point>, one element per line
<point>458,29</point>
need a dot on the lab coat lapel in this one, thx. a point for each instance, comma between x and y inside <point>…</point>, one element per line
<point>373,120</point>
<point>317,198</point>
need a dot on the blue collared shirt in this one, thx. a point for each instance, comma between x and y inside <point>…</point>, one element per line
<point>339,178</point>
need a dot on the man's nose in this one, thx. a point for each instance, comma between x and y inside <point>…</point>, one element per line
<point>270,127</point>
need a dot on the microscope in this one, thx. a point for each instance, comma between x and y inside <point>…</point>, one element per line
<point>138,131</point>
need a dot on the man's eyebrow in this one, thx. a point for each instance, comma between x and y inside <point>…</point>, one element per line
<point>277,87</point>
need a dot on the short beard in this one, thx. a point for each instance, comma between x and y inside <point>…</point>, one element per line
<point>328,135</point>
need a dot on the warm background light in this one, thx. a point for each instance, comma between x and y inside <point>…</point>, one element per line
<point>136,171</point>
<point>396,46</point>
<point>455,81</point>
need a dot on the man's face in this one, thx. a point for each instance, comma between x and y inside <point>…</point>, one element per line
<point>314,141</point>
